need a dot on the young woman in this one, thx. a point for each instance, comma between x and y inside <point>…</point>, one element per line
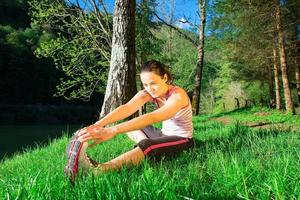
<point>173,110</point>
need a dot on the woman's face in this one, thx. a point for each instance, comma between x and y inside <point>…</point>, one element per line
<point>154,84</point>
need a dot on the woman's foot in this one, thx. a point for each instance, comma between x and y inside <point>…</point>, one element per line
<point>85,163</point>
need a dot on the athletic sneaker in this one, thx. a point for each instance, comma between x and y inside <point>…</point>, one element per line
<point>77,159</point>
<point>72,151</point>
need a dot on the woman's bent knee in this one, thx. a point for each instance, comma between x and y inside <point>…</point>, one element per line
<point>136,136</point>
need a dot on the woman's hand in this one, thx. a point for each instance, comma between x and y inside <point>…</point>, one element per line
<point>96,134</point>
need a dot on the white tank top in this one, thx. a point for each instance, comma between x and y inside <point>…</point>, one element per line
<point>181,123</point>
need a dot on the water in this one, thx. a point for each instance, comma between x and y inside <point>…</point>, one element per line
<point>15,138</point>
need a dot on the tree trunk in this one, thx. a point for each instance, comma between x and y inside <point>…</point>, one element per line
<point>237,103</point>
<point>271,87</point>
<point>261,98</point>
<point>170,30</point>
<point>143,109</point>
<point>276,79</point>
<point>297,68</point>
<point>121,84</point>
<point>287,92</point>
<point>199,66</point>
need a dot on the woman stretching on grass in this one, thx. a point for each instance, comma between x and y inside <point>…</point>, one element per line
<point>174,110</point>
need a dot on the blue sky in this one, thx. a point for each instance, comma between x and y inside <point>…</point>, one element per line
<point>183,10</point>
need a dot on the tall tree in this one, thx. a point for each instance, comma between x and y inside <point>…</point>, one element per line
<point>171,21</point>
<point>282,52</point>
<point>199,66</point>
<point>200,47</point>
<point>293,18</point>
<point>297,68</point>
<point>246,29</point>
<point>120,85</point>
<point>276,78</point>
<point>272,101</point>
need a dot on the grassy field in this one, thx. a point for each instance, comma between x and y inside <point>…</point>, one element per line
<point>230,161</point>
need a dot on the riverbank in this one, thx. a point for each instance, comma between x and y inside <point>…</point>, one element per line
<point>48,114</point>
<point>20,137</point>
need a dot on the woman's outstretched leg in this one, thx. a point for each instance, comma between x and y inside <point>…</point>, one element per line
<point>131,158</point>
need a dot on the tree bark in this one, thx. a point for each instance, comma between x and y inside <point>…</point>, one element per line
<point>199,66</point>
<point>271,87</point>
<point>170,30</point>
<point>237,103</point>
<point>121,84</point>
<point>276,79</point>
<point>143,109</point>
<point>261,98</point>
<point>297,68</point>
<point>287,92</point>
<point>298,81</point>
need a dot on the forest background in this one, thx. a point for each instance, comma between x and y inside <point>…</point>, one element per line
<point>56,54</point>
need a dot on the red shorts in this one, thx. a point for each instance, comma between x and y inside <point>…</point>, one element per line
<point>157,144</point>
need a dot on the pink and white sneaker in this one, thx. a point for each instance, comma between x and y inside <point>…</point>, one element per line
<point>77,159</point>
<point>73,150</point>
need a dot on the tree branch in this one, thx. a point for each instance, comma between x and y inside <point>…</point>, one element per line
<point>178,30</point>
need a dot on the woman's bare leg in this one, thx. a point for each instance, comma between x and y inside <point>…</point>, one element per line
<point>130,158</point>
<point>136,136</point>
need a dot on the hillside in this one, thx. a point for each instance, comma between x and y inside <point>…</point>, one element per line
<point>231,160</point>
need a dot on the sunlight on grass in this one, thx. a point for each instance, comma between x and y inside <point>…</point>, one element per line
<point>231,161</point>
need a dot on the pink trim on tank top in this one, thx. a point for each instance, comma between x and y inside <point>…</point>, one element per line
<point>169,93</point>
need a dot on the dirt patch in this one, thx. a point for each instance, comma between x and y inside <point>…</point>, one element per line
<point>261,124</point>
<point>281,127</point>
<point>223,120</point>
<point>261,113</point>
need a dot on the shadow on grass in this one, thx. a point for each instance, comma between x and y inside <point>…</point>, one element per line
<point>233,111</point>
<point>240,139</point>
<point>239,133</point>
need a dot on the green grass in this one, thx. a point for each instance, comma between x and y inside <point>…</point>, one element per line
<point>229,162</point>
<point>253,115</point>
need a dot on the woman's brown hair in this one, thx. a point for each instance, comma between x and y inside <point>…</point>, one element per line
<point>158,68</point>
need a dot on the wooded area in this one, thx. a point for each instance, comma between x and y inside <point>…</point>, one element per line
<point>242,53</point>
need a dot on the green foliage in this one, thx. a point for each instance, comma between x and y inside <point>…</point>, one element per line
<point>14,13</point>
<point>147,44</point>
<point>238,55</point>
<point>243,37</point>
<point>22,40</point>
<point>182,61</point>
<point>77,43</point>
<point>23,80</point>
<point>184,56</point>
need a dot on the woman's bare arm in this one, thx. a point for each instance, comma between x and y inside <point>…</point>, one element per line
<point>171,107</point>
<point>125,110</point>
